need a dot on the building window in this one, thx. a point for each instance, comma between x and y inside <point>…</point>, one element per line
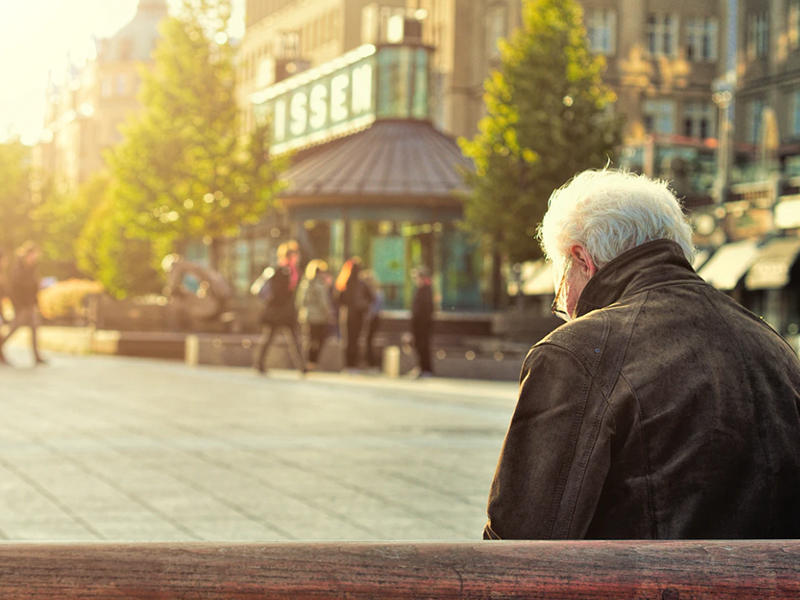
<point>698,119</point>
<point>601,29</point>
<point>662,34</point>
<point>754,111</point>
<point>107,88</point>
<point>795,115</point>
<point>793,29</point>
<point>121,87</point>
<point>659,116</point>
<point>496,28</point>
<point>701,39</point>
<point>757,35</point>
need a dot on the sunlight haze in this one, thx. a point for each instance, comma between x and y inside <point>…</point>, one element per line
<point>41,36</point>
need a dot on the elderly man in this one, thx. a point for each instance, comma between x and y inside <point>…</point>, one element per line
<point>662,409</point>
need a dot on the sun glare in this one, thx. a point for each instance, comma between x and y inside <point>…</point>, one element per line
<point>45,38</point>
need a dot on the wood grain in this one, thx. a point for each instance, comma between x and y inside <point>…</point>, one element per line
<point>741,570</point>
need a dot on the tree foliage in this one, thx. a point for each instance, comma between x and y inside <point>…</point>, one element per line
<point>107,252</point>
<point>16,199</point>
<point>547,119</point>
<point>184,170</point>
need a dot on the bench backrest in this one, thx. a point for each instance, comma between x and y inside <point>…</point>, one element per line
<point>680,570</point>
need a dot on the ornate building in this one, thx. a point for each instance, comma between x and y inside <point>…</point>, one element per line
<point>284,37</point>
<point>85,110</point>
<point>663,57</point>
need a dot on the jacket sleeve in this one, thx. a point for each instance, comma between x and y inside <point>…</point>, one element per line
<point>556,453</point>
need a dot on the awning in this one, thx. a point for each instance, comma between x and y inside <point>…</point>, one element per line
<point>404,162</point>
<point>773,264</point>
<point>729,264</point>
<point>535,279</point>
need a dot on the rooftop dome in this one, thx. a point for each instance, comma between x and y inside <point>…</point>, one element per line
<point>136,40</point>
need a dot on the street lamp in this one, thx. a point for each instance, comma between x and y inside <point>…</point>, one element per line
<point>723,98</point>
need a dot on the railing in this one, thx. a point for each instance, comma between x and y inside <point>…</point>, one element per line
<point>741,570</point>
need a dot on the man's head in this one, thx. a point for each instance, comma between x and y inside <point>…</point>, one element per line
<point>28,253</point>
<point>289,253</point>
<point>421,275</point>
<point>601,214</point>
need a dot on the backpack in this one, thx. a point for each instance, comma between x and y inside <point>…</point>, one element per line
<point>262,287</point>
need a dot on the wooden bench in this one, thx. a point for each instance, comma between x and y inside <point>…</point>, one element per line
<point>740,570</point>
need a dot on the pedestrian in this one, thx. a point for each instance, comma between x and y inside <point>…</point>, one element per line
<point>3,292</point>
<point>662,409</point>
<point>422,321</point>
<point>373,318</point>
<point>357,298</point>
<point>23,290</point>
<point>279,310</point>
<point>315,308</point>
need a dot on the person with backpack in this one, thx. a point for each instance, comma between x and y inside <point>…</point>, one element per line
<point>279,312</point>
<point>315,307</point>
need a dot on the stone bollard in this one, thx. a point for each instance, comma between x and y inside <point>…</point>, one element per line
<point>192,353</point>
<point>391,361</point>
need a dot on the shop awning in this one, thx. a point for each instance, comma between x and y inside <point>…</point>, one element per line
<point>729,264</point>
<point>400,161</point>
<point>772,266</point>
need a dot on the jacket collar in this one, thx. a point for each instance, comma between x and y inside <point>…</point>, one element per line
<point>648,265</point>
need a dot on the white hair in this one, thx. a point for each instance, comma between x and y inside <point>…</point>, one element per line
<point>609,212</point>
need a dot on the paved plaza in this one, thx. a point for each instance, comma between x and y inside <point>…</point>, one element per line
<point>105,448</point>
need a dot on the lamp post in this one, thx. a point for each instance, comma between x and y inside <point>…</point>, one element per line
<point>723,97</point>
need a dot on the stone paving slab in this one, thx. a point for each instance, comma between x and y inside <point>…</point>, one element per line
<point>108,448</point>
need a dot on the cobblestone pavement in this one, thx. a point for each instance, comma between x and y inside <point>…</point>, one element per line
<point>102,448</point>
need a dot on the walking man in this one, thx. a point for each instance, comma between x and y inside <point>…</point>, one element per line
<point>662,409</point>
<point>279,310</point>
<point>23,290</point>
<point>422,320</point>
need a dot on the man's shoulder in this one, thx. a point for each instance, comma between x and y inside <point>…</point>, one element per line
<point>587,330</point>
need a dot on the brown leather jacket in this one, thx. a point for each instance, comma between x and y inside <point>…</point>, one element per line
<point>666,410</point>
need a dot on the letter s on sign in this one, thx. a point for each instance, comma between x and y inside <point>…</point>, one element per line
<point>319,108</point>
<point>298,111</point>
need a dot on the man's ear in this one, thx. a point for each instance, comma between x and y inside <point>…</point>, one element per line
<point>583,260</point>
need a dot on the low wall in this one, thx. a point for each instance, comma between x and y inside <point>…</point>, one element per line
<point>479,360</point>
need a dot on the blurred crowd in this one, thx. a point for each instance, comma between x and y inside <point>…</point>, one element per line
<point>316,306</point>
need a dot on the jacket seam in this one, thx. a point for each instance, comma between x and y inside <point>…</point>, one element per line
<point>567,460</point>
<point>584,463</point>
<point>584,363</point>
<point>646,454</point>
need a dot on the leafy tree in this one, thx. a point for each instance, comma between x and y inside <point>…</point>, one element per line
<point>16,199</point>
<point>108,253</point>
<point>547,120</point>
<point>59,220</point>
<point>184,170</point>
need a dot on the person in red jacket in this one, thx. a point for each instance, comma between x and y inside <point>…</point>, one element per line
<point>279,311</point>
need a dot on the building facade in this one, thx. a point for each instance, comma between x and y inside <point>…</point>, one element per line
<point>284,37</point>
<point>85,110</point>
<point>663,57</point>
<point>345,87</point>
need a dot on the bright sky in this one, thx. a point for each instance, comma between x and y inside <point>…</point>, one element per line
<point>37,36</point>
